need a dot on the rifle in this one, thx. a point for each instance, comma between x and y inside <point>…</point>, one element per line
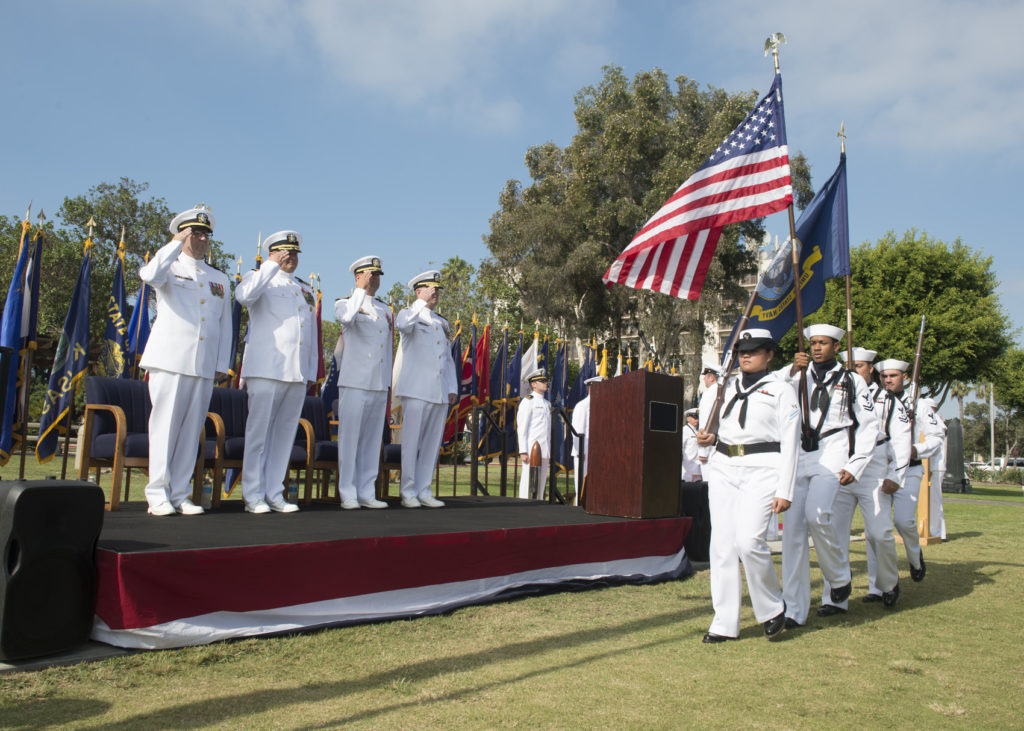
<point>915,378</point>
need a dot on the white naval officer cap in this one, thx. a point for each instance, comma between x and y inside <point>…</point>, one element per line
<point>892,364</point>
<point>754,338</point>
<point>283,241</point>
<point>695,412</point>
<point>363,264</point>
<point>593,379</point>
<point>429,278</point>
<point>712,367</point>
<point>861,354</point>
<point>829,331</point>
<point>198,217</point>
<point>537,375</point>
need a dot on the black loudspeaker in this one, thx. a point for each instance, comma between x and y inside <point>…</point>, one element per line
<point>693,502</point>
<point>48,532</point>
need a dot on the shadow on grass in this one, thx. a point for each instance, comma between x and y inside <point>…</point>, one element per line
<point>226,709</point>
<point>50,712</point>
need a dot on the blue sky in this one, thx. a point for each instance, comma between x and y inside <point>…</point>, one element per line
<point>390,127</point>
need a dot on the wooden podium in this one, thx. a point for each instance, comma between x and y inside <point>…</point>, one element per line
<point>635,446</point>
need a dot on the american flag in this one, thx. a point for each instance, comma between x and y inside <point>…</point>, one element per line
<point>747,176</point>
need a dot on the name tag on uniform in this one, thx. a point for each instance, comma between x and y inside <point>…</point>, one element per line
<point>217,289</point>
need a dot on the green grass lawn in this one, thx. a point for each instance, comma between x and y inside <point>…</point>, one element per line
<point>618,657</point>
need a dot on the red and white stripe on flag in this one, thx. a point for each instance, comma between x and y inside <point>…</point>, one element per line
<point>746,177</point>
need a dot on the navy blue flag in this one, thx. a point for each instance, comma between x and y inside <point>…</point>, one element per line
<point>513,373</point>
<point>587,370</point>
<point>236,325</point>
<point>69,367</point>
<point>559,376</point>
<point>490,438</point>
<point>114,351</point>
<point>138,329</point>
<point>329,391</point>
<point>823,231</point>
<point>543,358</point>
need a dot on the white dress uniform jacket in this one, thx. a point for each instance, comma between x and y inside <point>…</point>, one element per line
<point>366,328</point>
<point>581,424</point>
<point>533,424</point>
<point>282,321</point>
<point>192,331</point>
<point>691,452</point>
<point>428,371</point>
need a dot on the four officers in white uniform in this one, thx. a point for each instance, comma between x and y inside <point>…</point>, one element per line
<point>280,364</point>
<point>188,347</point>
<point>364,377</point>
<point>428,387</point>
<point>533,427</point>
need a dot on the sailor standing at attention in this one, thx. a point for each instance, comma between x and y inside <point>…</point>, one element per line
<point>427,385</point>
<point>691,449</point>
<point>750,477</point>
<point>581,425</point>
<point>533,426</point>
<point>843,431</point>
<point>188,347</point>
<point>280,364</point>
<point>364,376</point>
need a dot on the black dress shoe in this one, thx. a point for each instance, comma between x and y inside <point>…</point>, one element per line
<point>713,639</point>
<point>871,598</point>
<point>889,598</point>
<point>840,593</point>
<point>918,574</point>
<point>775,625</point>
<point>792,623</point>
<point>827,610</point>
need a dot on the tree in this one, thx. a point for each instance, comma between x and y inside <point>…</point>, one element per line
<point>897,280</point>
<point>551,241</point>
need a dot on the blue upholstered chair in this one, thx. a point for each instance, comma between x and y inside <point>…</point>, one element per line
<point>322,450</point>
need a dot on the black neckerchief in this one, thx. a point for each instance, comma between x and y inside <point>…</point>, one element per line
<point>823,377</point>
<point>749,381</point>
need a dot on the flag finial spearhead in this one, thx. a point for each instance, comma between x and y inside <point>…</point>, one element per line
<point>841,134</point>
<point>771,45</point>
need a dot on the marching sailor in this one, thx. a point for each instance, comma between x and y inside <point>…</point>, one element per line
<point>427,385</point>
<point>581,425</point>
<point>873,492</point>
<point>750,476</point>
<point>533,426</point>
<point>364,376</point>
<point>937,470</point>
<point>833,453</point>
<point>188,347</point>
<point>279,366</point>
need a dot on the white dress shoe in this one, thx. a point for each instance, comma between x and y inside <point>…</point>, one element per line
<point>373,503</point>
<point>187,507</point>
<point>259,507</point>
<point>282,506</point>
<point>350,505</point>
<point>161,508</point>
<point>410,502</point>
<point>430,501</point>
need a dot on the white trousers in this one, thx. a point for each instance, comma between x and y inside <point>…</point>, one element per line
<point>740,500</point>
<point>524,480</point>
<point>876,507</point>
<point>904,511</point>
<point>270,429</point>
<point>179,411</point>
<point>422,430</point>
<point>360,436</point>
<point>579,474</point>
<point>936,515</point>
<point>810,515</point>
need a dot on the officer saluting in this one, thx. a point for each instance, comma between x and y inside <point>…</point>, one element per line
<point>750,476</point>
<point>427,386</point>
<point>188,346</point>
<point>280,363</point>
<point>364,376</point>
<point>533,426</point>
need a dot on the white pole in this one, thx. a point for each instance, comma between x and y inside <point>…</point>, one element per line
<point>992,425</point>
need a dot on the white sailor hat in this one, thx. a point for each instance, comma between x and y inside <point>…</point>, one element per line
<point>537,375</point>
<point>829,331</point>
<point>198,217</point>
<point>594,379</point>
<point>429,278</point>
<point>694,412</point>
<point>861,354</point>
<point>930,403</point>
<point>892,365</point>
<point>282,241</point>
<point>754,338</point>
<point>366,264</point>
<point>708,366</point>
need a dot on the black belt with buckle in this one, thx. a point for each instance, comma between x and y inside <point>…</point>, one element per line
<point>915,463</point>
<point>738,450</point>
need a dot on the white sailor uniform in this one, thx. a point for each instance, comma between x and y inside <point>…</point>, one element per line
<point>742,484</point>
<point>581,425</point>
<point>937,468</point>
<point>280,358</point>
<point>189,343</point>
<point>830,402</point>
<point>889,461</point>
<point>691,455</point>
<point>364,376</point>
<point>424,383</point>
<point>533,426</point>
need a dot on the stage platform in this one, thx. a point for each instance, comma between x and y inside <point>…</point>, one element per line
<point>177,581</point>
